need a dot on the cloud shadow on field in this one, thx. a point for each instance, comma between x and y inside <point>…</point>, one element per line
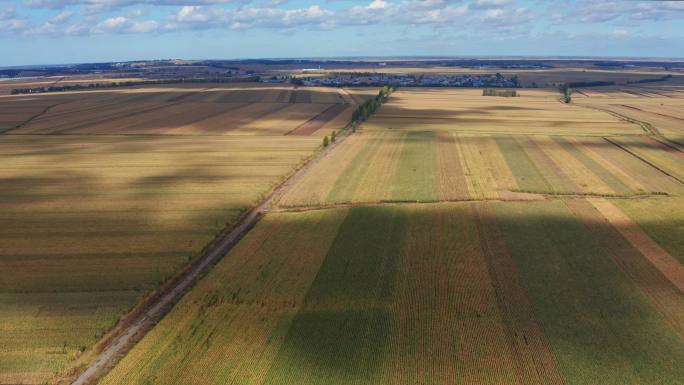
<point>156,112</point>
<point>588,307</point>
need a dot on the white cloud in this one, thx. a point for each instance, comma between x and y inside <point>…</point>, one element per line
<point>192,14</point>
<point>11,22</point>
<point>494,14</point>
<point>378,4</point>
<point>592,11</point>
<point>121,24</point>
<point>620,33</point>
<point>8,13</point>
<point>501,17</point>
<point>61,18</point>
<point>486,4</point>
<point>146,26</point>
<point>111,4</point>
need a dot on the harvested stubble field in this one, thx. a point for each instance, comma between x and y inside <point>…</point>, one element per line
<point>466,110</point>
<point>473,293</point>
<point>660,104</point>
<point>220,109</point>
<point>91,222</point>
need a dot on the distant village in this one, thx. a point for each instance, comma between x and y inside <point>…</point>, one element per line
<point>408,80</point>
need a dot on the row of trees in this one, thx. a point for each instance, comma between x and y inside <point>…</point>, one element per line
<point>80,87</point>
<point>504,93</point>
<point>369,106</point>
<point>364,111</point>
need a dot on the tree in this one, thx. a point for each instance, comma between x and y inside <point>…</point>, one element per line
<point>325,141</point>
<point>566,90</point>
<point>333,137</point>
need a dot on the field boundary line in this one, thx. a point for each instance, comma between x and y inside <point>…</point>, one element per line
<point>647,127</point>
<point>124,337</point>
<point>29,120</point>
<point>534,197</point>
<point>623,148</point>
<point>635,235</point>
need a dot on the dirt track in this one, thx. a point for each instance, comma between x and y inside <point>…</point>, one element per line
<point>127,338</point>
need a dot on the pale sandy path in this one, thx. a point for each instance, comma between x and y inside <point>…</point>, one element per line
<point>659,257</point>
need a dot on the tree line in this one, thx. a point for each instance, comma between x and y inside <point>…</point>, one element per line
<point>364,111</point>
<point>503,93</point>
<point>80,87</point>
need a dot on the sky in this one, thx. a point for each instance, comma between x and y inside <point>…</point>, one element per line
<point>78,31</point>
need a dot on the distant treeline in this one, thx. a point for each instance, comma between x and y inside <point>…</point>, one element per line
<point>639,64</point>
<point>80,87</point>
<point>499,92</point>
<point>369,106</point>
<point>659,79</point>
<point>598,83</point>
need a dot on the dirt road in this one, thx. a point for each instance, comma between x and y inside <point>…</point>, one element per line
<point>137,329</point>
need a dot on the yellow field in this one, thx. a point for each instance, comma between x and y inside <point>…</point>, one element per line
<point>91,220</point>
<point>466,110</point>
<point>659,104</point>
<point>203,109</point>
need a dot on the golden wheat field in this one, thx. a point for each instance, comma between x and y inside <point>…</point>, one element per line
<point>106,194</point>
<point>466,110</point>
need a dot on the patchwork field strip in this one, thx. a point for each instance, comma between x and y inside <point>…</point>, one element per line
<point>405,294</point>
<point>567,269</point>
<point>427,166</point>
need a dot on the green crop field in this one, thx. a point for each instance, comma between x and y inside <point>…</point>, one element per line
<point>408,294</point>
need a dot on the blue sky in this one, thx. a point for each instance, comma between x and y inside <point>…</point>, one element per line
<point>72,31</point>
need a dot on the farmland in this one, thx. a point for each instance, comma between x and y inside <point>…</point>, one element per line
<point>450,238</point>
<point>534,112</point>
<point>454,238</point>
<point>407,294</point>
<point>659,105</point>
<point>107,194</point>
<point>402,155</point>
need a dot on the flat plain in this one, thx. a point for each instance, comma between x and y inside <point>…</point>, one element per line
<point>453,239</point>
<point>107,194</point>
<point>473,293</point>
